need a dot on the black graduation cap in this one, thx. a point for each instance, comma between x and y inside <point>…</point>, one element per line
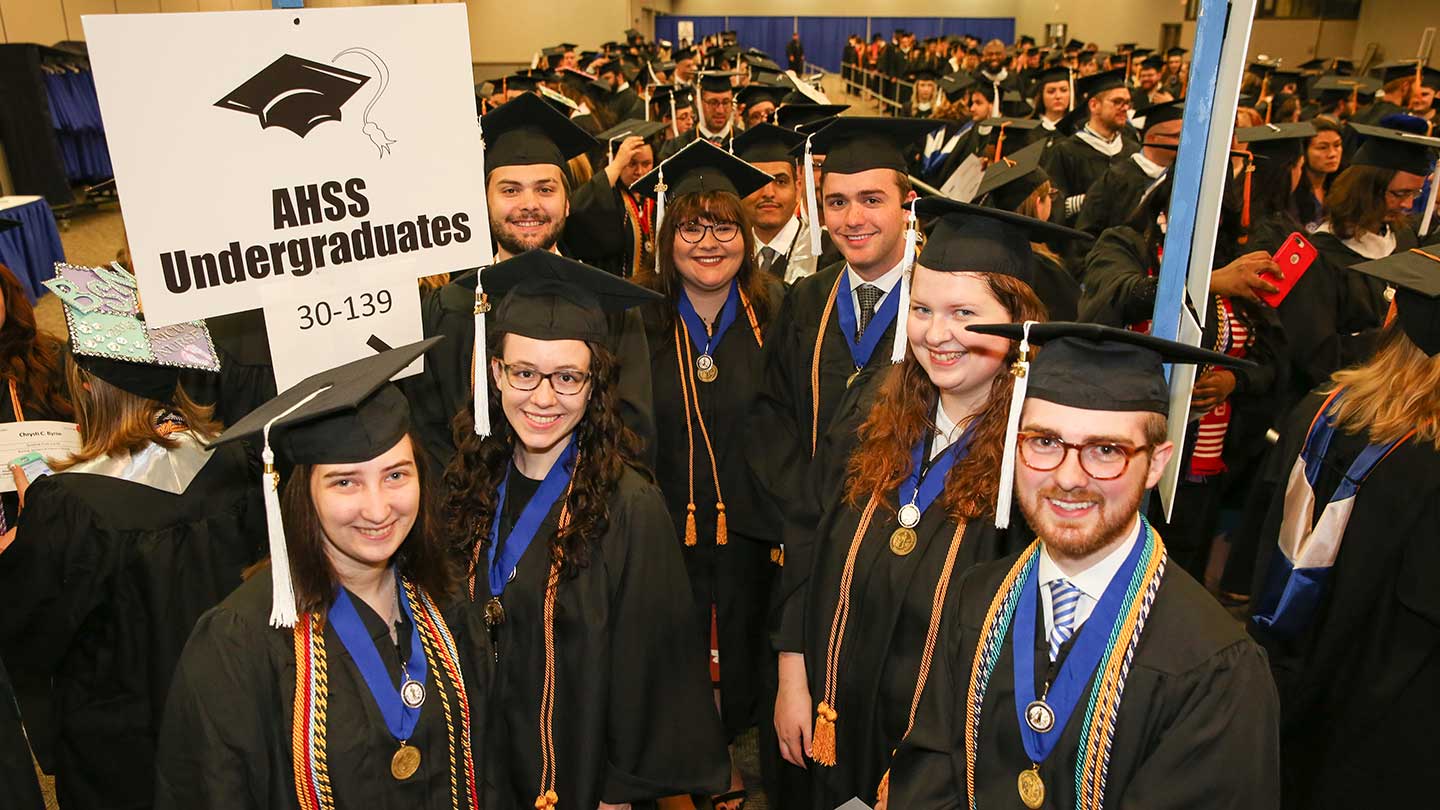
<point>546,296</point>
<point>922,75</point>
<point>955,85</point>
<point>1415,275</point>
<point>1282,142</point>
<point>798,114</point>
<point>1139,52</point>
<point>1430,77</point>
<point>1052,75</point>
<point>632,127</point>
<point>1101,368</point>
<point>1263,69</point>
<point>980,239</point>
<point>295,94</point>
<point>700,167</point>
<point>754,93</point>
<point>856,144</point>
<point>683,96</point>
<point>1392,71</point>
<point>1333,87</point>
<point>1152,62</point>
<point>760,60</point>
<point>1026,39</point>
<point>526,130</point>
<point>1176,51</point>
<point>1074,46</point>
<point>1125,47</point>
<point>767,143</point>
<point>717,81</point>
<point>1281,77</point>
<point>1395,149</point>
<point>1161,113</point>
<point>631,33</point>
<point>1087,87</point>
<point>1014,105</point>
<point>683,54</point>
<point>1318,65</point>
<point>1011,180</point>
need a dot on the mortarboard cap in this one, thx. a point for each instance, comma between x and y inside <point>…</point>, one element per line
<point>1394,149</point>
<point>295,94</point>
<point>767,143</point>
<point>631,33</point>
<point>526,131</point>
<point>1074,46</point>
<point>955,85</point>
<point>754,93</point>
<point>1392,71</point>
<point>1011,180</point>
<point>1087,87</point>
<point>717,81</point>
<point>1318,65</point>
<point>1430,77</point>
<point>1152,63</point>
<point>633,127</point>
<point>1281,77</point>
<point>1415,275</point>
<point>856,144</point>
<point>970,238</point>
<point>110,340</point>
<point>546,296</point>
<point>700,167</point>
<point>1161,113</point>
<point>683,54</point>
<point>760,60</point>
<point>1059,73</point>
<point>922,75</point>
<point>1276,141</point>
<point>1176,51</point>
<point>1262,69</point>
<point>800,114</point>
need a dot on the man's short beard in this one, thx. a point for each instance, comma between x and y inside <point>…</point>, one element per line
<point>515,246</point>
<point>1114,517</point>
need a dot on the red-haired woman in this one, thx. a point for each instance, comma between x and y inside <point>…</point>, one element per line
<point>705,340</point>
<point>912,508</point>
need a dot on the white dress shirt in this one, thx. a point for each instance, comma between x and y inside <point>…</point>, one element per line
<point>886,283</point>
<point>792,242</point>
<point>1091,582</point>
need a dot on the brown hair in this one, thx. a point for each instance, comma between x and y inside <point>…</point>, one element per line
<point>1030,208</point>
<point>606,446</point>
<point>904,411</point>
<point>113,420</point>
<point>1396,391</point>
<point>716,206</point>
<point>34,362</point>
<point>1357,200</point>
<point>902,185</point>
<point>422,557</point>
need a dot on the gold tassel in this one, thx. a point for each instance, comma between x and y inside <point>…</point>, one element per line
<point>546,800</point>
<point>777,556</point>
<point>882,793</point>
<point>823,743</point>
<point>690,525</point>
<point>722,531</point>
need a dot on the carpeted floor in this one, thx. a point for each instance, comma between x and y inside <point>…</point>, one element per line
<point>92,238</point>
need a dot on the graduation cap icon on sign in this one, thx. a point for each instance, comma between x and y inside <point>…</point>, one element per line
<point>300,94</point>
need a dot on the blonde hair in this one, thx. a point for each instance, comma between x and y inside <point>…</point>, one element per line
<point>114,421</point>
<point>1396,391</point>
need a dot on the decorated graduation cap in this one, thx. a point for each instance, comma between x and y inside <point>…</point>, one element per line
<point>295,94</point>
<point>345,415</point>
<point>1010,181</point>
<point>1091,367</point>
<point>1395,149</point>
<point>1415,275</point>
<point>110,339</point>
<point>526,131</point>
<point>767,143</point>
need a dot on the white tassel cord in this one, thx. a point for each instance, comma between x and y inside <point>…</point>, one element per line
<point>283,612</point>
<point>811,204</point>
<point>907,267</point>
<point>480,396</point>
<point>660,189</point>
<point>1021,369</point>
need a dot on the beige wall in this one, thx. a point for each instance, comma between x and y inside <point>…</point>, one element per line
<point>1396,26</point>
<point>1296,41</point>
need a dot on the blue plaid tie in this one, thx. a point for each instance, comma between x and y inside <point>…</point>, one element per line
<point>1064,601</point>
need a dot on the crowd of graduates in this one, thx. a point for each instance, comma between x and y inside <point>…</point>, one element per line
<point>743,475</point>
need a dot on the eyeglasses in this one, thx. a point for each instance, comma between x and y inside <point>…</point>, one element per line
<point>693,232</point>
<point>1404,194</point>
<point>715,103</point>
<point>1103,461</point>
<point>565,382</point>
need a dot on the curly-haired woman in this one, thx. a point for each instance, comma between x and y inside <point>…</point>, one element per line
<point>600,694</point>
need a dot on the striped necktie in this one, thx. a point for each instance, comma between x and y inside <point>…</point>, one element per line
<point>1064,602</point>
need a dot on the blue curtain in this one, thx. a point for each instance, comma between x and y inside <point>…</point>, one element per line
<point>921,27</point>
<point>769,34</point>
<point>666,26</point>
<point>985,28</point>
<point>824,39</point>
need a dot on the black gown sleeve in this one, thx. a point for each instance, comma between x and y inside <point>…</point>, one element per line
<point>593,229</point>
<point>17,773</point>
<point>1118,290</point>
<point>665,734</point>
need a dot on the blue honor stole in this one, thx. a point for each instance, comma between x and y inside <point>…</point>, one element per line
<point>557,480</point>
<point>399,707</point>
<point>864,348</point>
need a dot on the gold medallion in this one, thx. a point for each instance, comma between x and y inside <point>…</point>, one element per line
<point>494,613</point>
<point>708,374</point>
<point>849,381</point>
<point>405,762</point>
<point>1032,789</point>
<point>902,541</point>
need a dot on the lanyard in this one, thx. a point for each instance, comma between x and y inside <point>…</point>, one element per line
<point>927,476</point>
<point>1091,641</point>
<point>400,719</point>
<point>861,350</point>
<point>520,537</point>
<point>696,327</point>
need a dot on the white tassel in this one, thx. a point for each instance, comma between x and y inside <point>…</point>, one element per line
<point>674,123</point>
<point>812,206</point>
<point>659,208</point>
<point>283,612</point>
<point>480,399</point>
<point>1430,203</point>
<point>1021,370</point>
<point>907,268</point>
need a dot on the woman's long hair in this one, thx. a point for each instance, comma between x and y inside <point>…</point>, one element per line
<point>716,206</point>
<point>1270,192</point>
<point>423,556</point>
<point>904,414</point>
<point>114,421</point>
<point>32,361</point>
<point>1030,207</point>
<point>605,445</point>
<point>1396,391</point>
<point>1357,201</point>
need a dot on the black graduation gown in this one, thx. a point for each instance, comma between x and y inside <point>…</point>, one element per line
<point>890,606</point>
<point>1056,288</point>
<point>634,717</point>
<point>594,231</point>
<point>1118,289</point>
<point>17,773</point>
<point>102,586</point>
<point>1367,293</point>
<point>1074,165</point>
<point>443,392</point>
<point>735,578</point>
<point>1357,687</point>
<point>247,374</point>
<point>674,145</point>
<point>1112,199</point>
<point>226,742</point>
<point>1197,725</point>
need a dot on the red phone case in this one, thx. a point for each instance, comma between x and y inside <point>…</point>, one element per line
<point>1294,257</point>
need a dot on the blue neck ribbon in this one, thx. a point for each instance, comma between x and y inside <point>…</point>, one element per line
<point>861,350</point>
<point>701,338</point>
<point>1091,641</point>
<point>399,718</point>
<point>925,485</point>
<point>519,539</point>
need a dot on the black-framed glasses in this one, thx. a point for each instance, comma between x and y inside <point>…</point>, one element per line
<point>1103,461</point>
<point>565,382</point>
<point>693,232</point>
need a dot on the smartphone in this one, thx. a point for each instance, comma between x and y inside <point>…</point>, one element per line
<point>1295,256</point>
<point>33,465</point>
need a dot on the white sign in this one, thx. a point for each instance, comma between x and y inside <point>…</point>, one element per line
<point>53,440</point>
<point>685,32</point>
<point>256,149</point>
<point>326,321</point>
